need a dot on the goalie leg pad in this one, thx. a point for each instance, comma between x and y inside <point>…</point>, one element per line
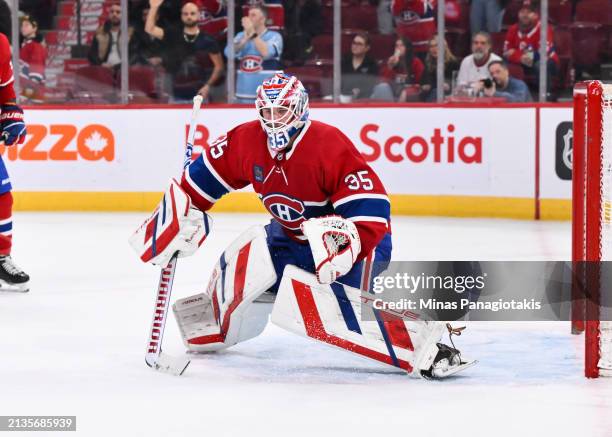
<point>332,314</point>
<point>226,314</point>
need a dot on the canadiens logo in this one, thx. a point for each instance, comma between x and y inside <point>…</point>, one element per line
<point>251,64</point>
<point>288,211</point>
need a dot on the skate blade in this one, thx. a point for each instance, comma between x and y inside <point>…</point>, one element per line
<point>454,370</point>
<point>14,288</point>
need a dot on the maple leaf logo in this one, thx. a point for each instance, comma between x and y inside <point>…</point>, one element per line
<point>96,142</point>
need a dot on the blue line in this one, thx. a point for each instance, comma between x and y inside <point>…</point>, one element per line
<point>385,335</point>
<point>154,243</point>
<point>164,210</point>
<point>223,264</point>
<point>206,228</point>
<point>346,308</point>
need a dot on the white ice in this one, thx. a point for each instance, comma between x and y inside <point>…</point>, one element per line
<point>75,345</point>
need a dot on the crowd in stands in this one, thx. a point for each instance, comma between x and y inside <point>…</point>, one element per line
<point>178,48</point>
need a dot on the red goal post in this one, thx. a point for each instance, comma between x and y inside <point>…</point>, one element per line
<point>592,223</point>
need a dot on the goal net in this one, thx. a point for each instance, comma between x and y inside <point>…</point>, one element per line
<point>592,223</point>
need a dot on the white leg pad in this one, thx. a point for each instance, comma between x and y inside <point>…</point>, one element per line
<point>225,314</point>
<point>332,314</point>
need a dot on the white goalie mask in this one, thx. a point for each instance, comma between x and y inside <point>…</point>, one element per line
<point>282,108</point>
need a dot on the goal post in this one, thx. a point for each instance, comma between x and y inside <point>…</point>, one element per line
<point>592,223</point>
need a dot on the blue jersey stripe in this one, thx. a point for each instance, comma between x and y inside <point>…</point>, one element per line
<point>6,227</point>
<point>205,180</point>
<point>365,207</point>
<point>347,309</point>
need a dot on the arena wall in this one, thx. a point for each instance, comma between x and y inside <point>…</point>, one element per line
<point>449,160</point>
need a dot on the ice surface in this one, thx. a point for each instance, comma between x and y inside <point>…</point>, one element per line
<point>75,346</point>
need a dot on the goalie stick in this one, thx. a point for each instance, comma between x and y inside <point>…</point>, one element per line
<point>154,357</point>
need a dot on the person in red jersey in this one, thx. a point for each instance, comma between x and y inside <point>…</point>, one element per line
<point>329,237</point>
<point>522,43</point>
<point>300,169</point>
<point>32,58</point>
<point>415,20</point>
<point>12,131</point>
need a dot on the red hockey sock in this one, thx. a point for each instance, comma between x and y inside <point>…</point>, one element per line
<point>6,223</point>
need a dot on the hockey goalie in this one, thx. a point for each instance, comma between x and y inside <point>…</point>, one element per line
<point>330,226</point>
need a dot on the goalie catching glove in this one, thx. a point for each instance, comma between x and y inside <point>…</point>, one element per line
<point>335,245</point>
<point>174,227</point>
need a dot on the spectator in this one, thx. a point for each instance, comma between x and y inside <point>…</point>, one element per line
<point>475,67</point>
<point>188,53</point>
<point>522,42</point>
<point>359,70</point>
<point>502,85</point>
<point>486,15</point>
<point>32,58</point>
<point>259,50</point>
<point>430,75</point>
<point>400,74</point>
<point>414,20</point>
<point>144,48</point>
<point>105,49</point>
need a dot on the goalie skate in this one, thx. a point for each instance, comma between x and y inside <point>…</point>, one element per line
<point>447,362</point>
<point>12,278</point>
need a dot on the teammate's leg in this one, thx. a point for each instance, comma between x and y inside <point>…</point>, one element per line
<point>12,278</point>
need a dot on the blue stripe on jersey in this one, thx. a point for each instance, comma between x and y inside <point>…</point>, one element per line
<point>205,180</point>
<point>318,211</point>
<point>346,308</point>
<point>6,227</point>
<point>367,207</point>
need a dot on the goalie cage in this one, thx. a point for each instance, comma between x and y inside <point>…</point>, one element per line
<point>592,224</point>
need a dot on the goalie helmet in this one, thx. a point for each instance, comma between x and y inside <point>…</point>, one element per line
<point>282,108</point>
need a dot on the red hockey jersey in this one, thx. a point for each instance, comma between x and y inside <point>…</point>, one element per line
<point>32,57</point>
<point>414,20</point>
<point>522,43</point>
<point>322,174</point>
<point>7,93</point>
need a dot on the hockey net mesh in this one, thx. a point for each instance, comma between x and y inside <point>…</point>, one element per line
<point>605,325</point>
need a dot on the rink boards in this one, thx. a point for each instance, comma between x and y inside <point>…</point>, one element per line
<point>512,161</point>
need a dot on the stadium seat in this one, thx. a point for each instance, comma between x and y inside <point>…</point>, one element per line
<point>323,46</point>
<point>560,12</point>
<point>94,84</point>
<point>587,43</point>
<point>316,80</point>
<point>497,42</point>
<point>511,12</point>
<point>327,14</point>
<point>72,65</point>
<point>142,84</point>
<point>594,11</point>
<point>516,71</point>
<point>458,42</point>
<point>360,17</point>
<point>382,46</point>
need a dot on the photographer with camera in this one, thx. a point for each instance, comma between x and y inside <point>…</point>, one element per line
<point>502,85</point>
